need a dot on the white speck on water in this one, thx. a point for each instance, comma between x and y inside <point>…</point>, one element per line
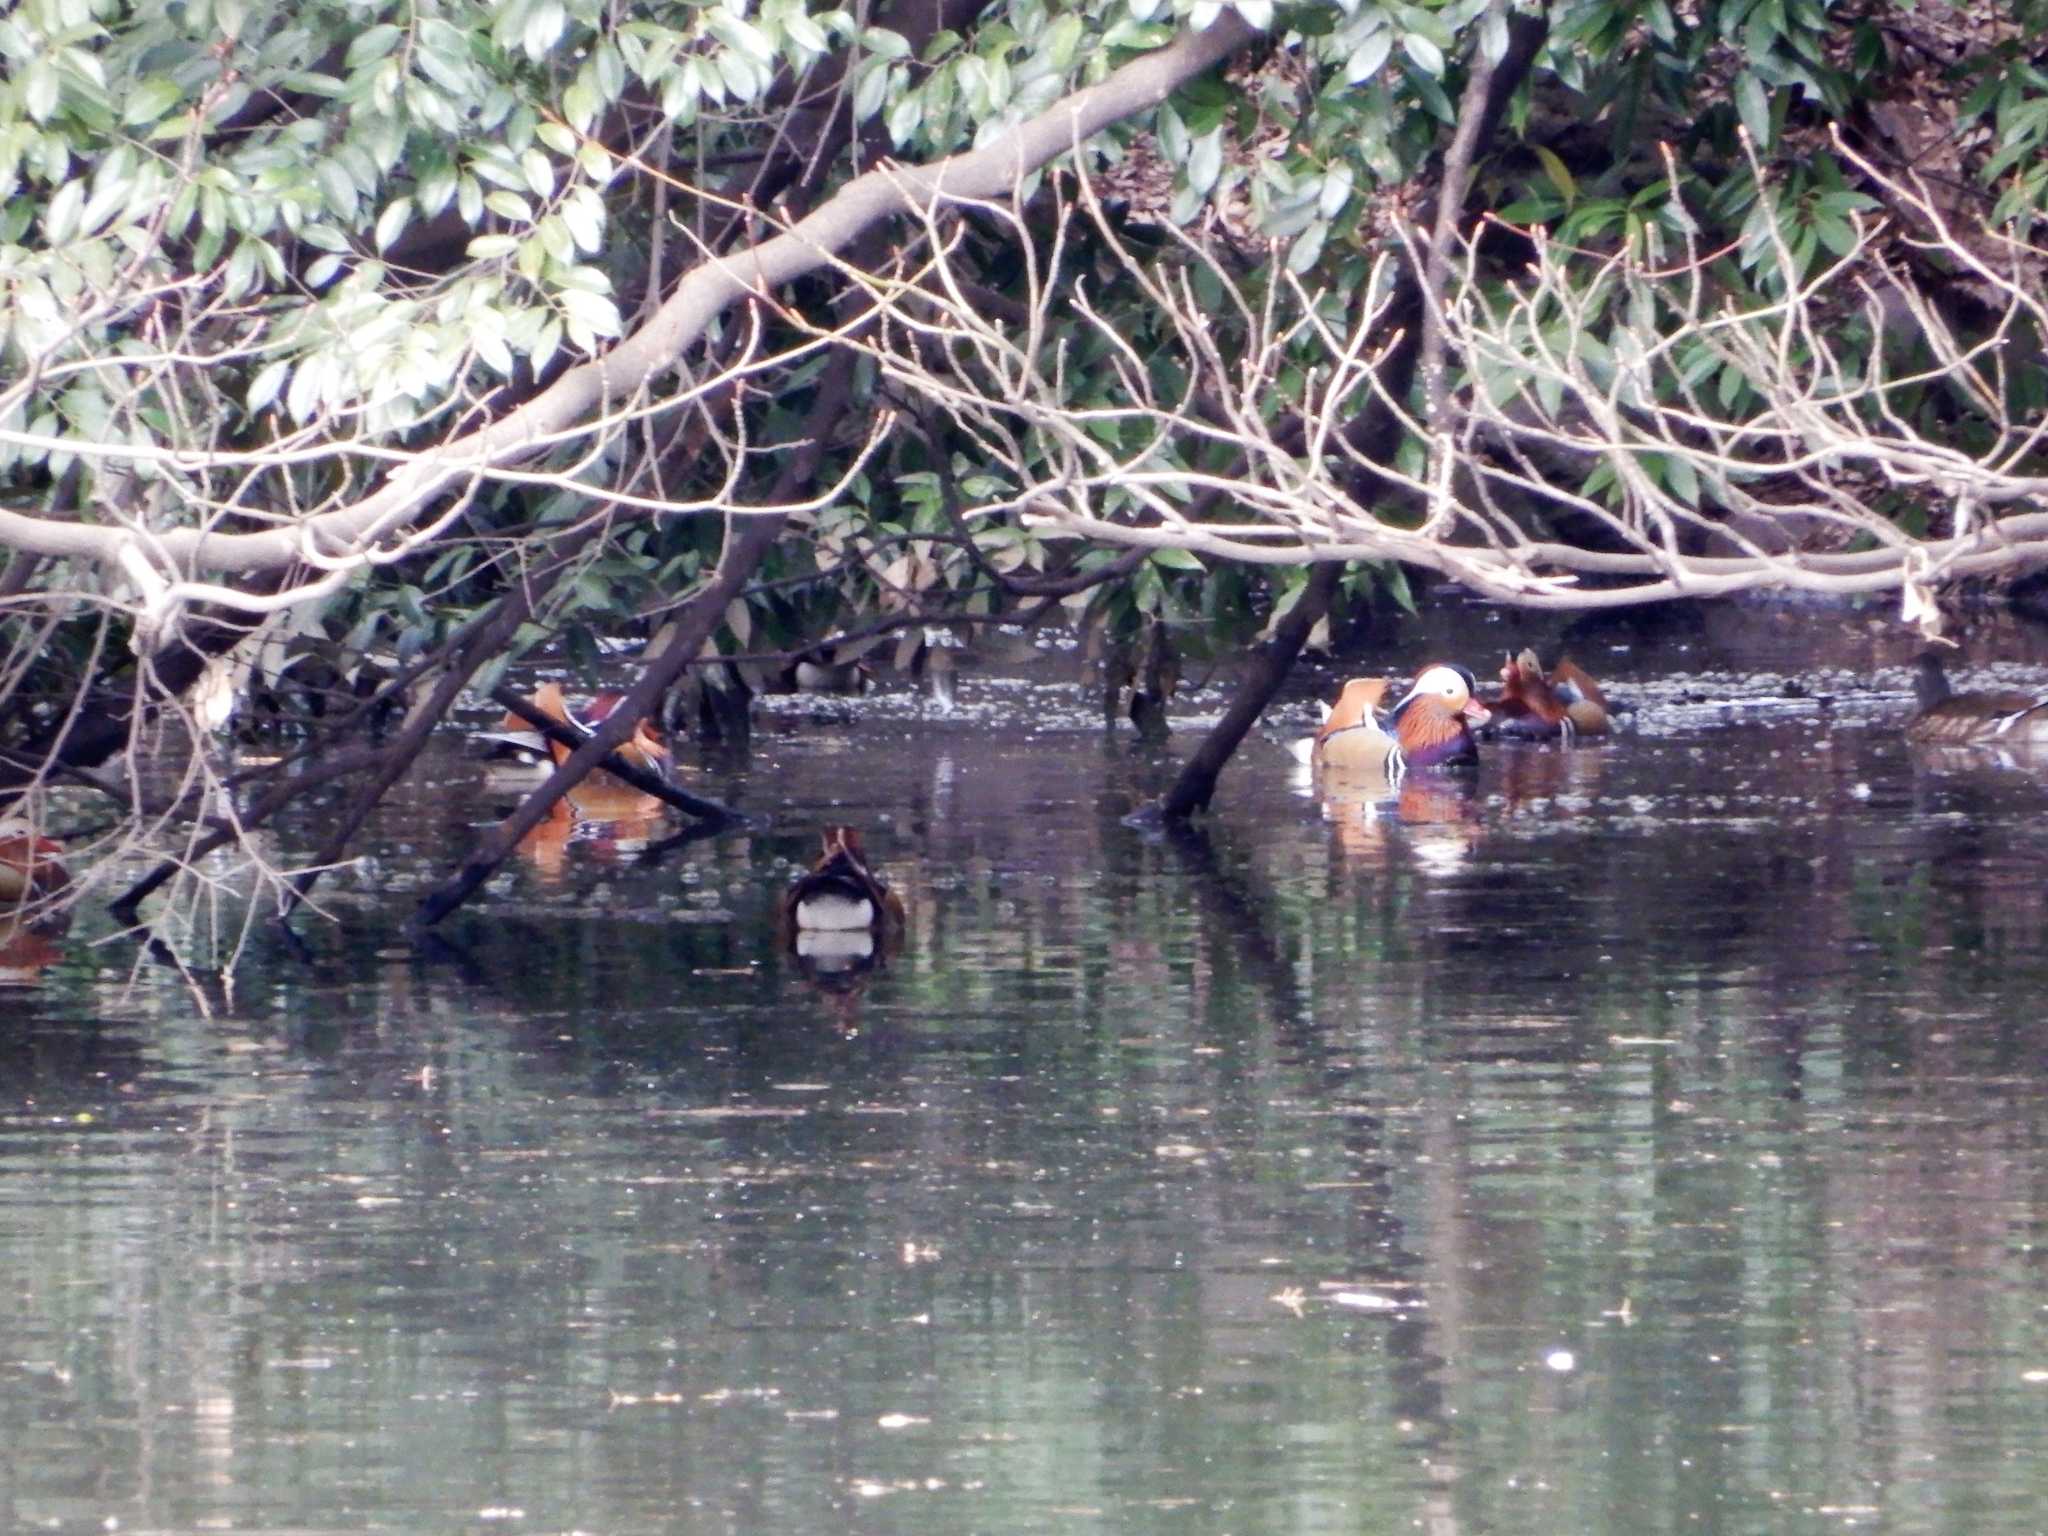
<point>1561,1360</point>
<point>1368,1300</point>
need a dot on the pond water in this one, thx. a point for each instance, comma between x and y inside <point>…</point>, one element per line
<point>1655,1139</point>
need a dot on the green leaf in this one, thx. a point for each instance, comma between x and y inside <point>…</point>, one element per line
<point>905,117</point>
<point>1336,191</point>
<point>539,172</point>
<point>372,44</point>
<point>584,219</point>
<point>1366,59</point>
<point>268,381</point>
<point>150,100</point>
<point>1205,162</point>
<point>39,88</point>
<point>1427,56</point>
<point>592,311</point>
<point>1754,107</point>
<point>748,39</point>
<point>509,205</point>
<point>392,221</point>
<point>60,219</point>
<point>884,44</point>
<point>870,88</point>
<point>1063,41</point>
<point>1560,176</point>
<point>1683,479</point>
<point>1307,247</point>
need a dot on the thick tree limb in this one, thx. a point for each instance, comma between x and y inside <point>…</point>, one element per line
<point>1373,434</point>
<point>747,543</point>
<point>416,484</point>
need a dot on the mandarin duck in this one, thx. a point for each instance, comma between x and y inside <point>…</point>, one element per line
<point>1587,706</point>
<point>1432,722</point>
<point>1430,726</point>
<point>1351,735</point>
<point>839,916</point>
<point>31,865</point>
<point>1565,705</point>
<point>521,743</point>
<point>2006,717</point>
<point>599,796</point>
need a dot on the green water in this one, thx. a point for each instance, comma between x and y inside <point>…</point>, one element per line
<point>1655,1140</point>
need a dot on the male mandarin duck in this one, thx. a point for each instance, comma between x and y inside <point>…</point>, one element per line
<point>31,865</point>
<point>841,893</point>
<point>1567,704</point>
<point>2006,717</point>
<point>1430,726</point>
<point>600,796</point>
<point>839,917</point>
<point>516,739</point>
<point>32,874</point>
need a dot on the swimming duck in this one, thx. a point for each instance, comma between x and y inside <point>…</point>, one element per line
<point>520,754</point>
<point>1433,720</point>
<point>1428,727</point>
<point>1567,704</point>
<point>839,916</point>
<point>1583,701</point>
<point>840,892</point>
<point>1351,736</point>
<point>1987,717</point>
<point>31,865</point>
<point>520,743</point>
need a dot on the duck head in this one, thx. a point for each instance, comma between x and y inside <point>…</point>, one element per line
<point>1433,720</point>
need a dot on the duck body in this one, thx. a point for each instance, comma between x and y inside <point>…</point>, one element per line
<point>838,920</point>
<point>1565,706</point>
<point>2007,717</point>
<point>1432,722</point>
<point>1430,726</point>
<point>520,745</point>
<point>32,877</point>
<point>1352,739</point>
<point>31,865</point>
<point>1585,705</point>
<point>840,894</point>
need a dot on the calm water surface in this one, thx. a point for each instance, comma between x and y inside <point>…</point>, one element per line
<point>1654,1140</point>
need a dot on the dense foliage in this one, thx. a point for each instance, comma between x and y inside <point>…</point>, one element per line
<point>256,259</point>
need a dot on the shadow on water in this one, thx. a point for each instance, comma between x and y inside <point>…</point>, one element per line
<point>1642,1136</point>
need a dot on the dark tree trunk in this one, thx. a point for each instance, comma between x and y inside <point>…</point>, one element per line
<point>1375,432</point>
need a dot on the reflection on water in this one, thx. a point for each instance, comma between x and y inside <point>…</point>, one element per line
<point>1643,1137</point>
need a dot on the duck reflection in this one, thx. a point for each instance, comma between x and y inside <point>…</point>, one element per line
<point>1439,813</point>
<point>26,949</point>
<point>2019,758</point>
<point>609,837</point>
<point>1533,781</point>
